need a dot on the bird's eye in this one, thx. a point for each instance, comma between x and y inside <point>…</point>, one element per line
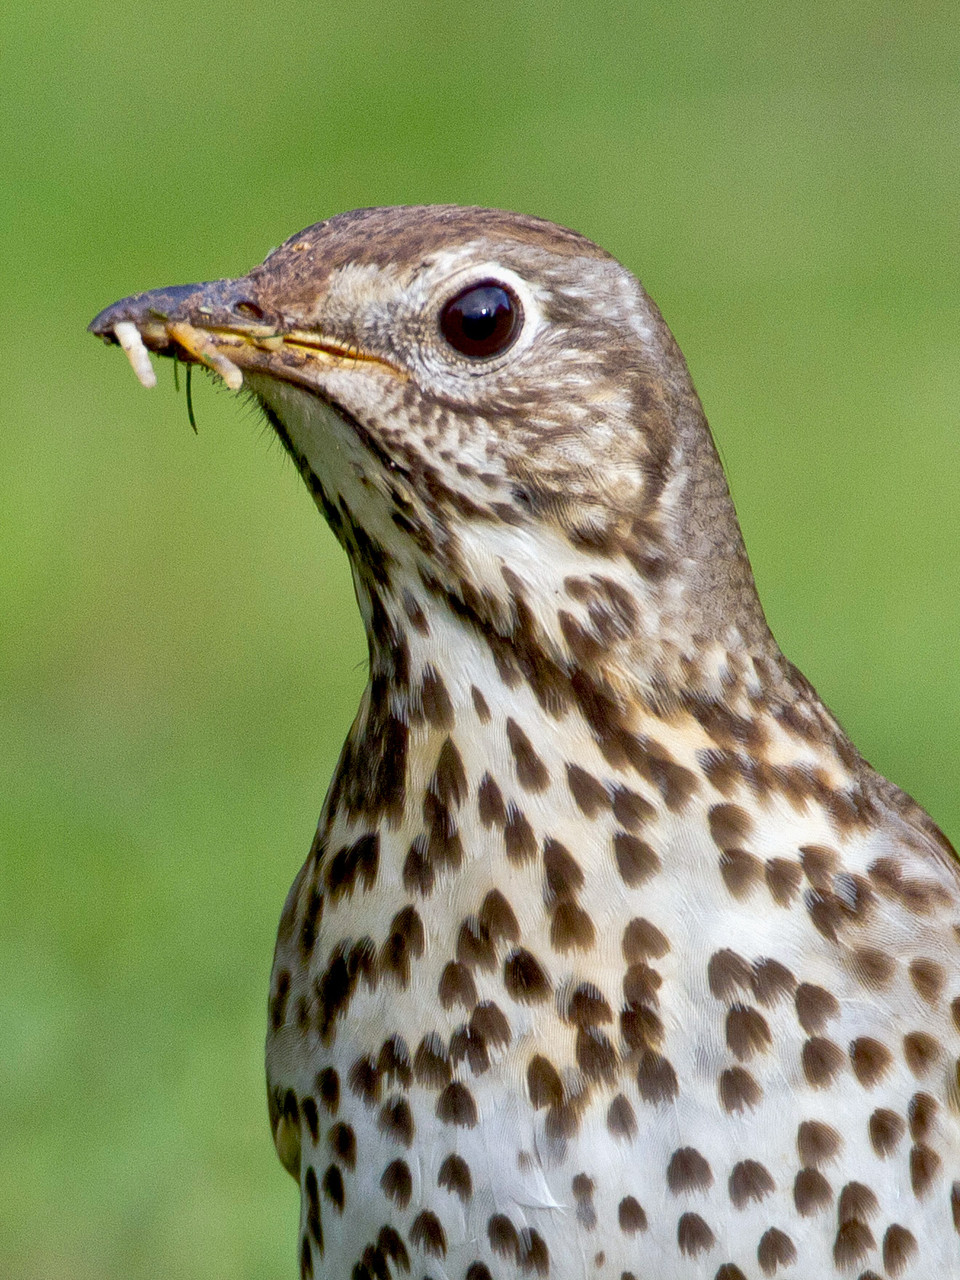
<point>482,321</point>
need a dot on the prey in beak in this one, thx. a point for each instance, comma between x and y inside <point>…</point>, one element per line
<point>219,326</point>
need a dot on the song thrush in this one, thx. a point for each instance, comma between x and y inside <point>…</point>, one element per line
<point>612,957</point>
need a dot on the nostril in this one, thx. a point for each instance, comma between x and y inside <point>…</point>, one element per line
<point>248,309</point>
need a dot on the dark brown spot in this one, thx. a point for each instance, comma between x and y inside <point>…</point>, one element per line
<point>924,1168</point>
<point>563,1122</point>
<point>856,1201</point>
<point>480,705</point>
<point>631,1216</point>
<point>630,809</point>
<point>727,973</point>
<point>921,1115</point>
<point>428,1235</point>
<point>465,1043</point>
<point>333,1187</point>
<point>312,1196</point>
<point>419,872</point>
<point>921,1051</point>
<point>749,1180</point>
<point>955,1205</point>
<point>489,1021</point>
<point>490,804</point>
<point>533,1254</point>
<point>478,1271</point>
<point>656,1078</point>
<point>641,1027</point>
<point>475,948</point>
<point>587,1007</point>
<point>817,1142</point>
<point>496,915</point>
<point>309,1111</point>
<point>543,1083</point>
<point>783,880</point>
<point>621,1120</point>
<point>899,1246</point>
<point>392,1247</point>
<point>455,1176</point>
<point>641,985</point>
<point>815,1007</point>
<point>688,1171</point>
<point>334,989</point>
<point>853,1242</point>
<point>531,771</point>
<point>729,1271</point>
<point>525,978</point>
<point>415,614</point>
<point>821,1060</point>
<point>886,1129</point>
<point>278,1002</point>
<point>364,1080</point>
<point>431,1062</point>
<point>642,940</point>
<point>564,878</point>
<point>312,915</point>
<point>396,1120</point>
<point>918,896</point>
<point>740,870</point>
<point>873,967</point>
<point>693,1234</point>
<point>730,826</point>
<point>456,986</point>
<point>404,943</point>
<point>955,1012</point>
<point>306,1260</point>
<point>397,1183</point>
<point>354,862</point>
<point>775,1249</point>
<point>519,841</point>
<point>654,764</point>
<point>589,793</point>
<point>636,861</point>
<point>571,928</point>
<point>811,1192</point>
<point>826,912</point>
<point>503,1237</point>
<point>435,701</point>
<point>582,1188</point>
<point>870,1060</point>
<point>738,1090</point>
<point>328,1087</point>
<point>596,1056</point>
<point>393,1062</point>
<point>747,1031</point>
<point>343,1144</point>
<point>456,1106</point>
<point>819,864</point>
<point>449,782</point>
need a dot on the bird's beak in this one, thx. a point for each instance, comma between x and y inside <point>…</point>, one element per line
<point>223,325</point>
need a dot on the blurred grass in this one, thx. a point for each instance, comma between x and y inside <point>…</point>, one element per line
<point>180,654</point>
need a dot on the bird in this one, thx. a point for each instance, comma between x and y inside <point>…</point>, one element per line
<point>612,958</point>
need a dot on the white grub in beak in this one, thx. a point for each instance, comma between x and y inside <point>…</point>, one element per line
<point>196,343</point>
<point>128,335</point>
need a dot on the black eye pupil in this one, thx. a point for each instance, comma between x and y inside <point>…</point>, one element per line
<point>482,321</point>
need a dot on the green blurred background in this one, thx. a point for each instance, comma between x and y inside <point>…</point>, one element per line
<point>180,653</point>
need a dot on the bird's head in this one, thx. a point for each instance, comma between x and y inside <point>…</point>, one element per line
<point>488,409</point>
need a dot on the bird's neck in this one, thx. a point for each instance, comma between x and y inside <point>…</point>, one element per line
<point>523,690</point>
